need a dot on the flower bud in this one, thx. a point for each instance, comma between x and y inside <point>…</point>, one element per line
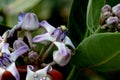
<point>116,10</point>
<point>30,22</point>
<point>18,43</point>
<point>104,16</point>
<point>106,8</point>
<point>32,56</point>
<point>112,21</point>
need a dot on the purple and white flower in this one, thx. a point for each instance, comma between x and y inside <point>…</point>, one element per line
<point>53,34</point>
<point>58,37</point>
<point>7,59</point>
<point>26,21</point>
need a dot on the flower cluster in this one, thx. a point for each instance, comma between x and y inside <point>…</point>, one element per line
<point>110,18</point>
<point>37,48</point>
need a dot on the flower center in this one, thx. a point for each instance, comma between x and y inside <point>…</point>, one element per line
<point>4,60</point>
<point>59,33</point>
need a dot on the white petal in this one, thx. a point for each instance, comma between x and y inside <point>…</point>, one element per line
<point>5,48</point>
<point>43,37</point>
<point>30,73</point>
<point>18,52</point>
<point>69,42</point>
<point>1,72</point>
<point>43,72</point>
<point>61,60</point>
<point>47,26</point>
<point>12,68</point>
<point>30,22</point>
<point>12,31</point>
<point>61,47</point>
<point>5,35</point>
<point>1,44</point>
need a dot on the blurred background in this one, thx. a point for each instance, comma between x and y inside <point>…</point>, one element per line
<point>56,12</point>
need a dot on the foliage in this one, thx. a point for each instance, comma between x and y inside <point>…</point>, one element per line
<point>97,49</point>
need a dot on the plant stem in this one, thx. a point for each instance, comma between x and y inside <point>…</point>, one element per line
<point>29,37</point>
<point>41,52</point>
<point>98,29</point>
<point>51,63</point>
<point>47,52</point>
<point>11,49</point>
<point>72,74</point>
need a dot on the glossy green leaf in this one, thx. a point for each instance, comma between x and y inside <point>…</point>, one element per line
<point>93,14</point>
<point>77,21</point>
<point>99,52</point>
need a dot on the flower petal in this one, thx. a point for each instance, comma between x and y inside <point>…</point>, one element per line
<point>69,42</point>
<point>1,72</point>
<point>5,35</point>
<point>61,48</point>
<point>20,18</point>
<point>12,68</point>
<point>43,37</point>
<point>12,31</point>
<point>43,72</point>
<point>5,48</point>
<point>47,26</point>
<point>60,59</point>
<point>30,22</point>
<point>30,73</point>
<point>18,52</point>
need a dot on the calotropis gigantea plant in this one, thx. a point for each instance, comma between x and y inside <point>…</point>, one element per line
<point>52,41</point>
<point>46,51</point>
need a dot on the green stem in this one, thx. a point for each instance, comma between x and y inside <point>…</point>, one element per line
<point>98,30</point>
<point>87,33</point>
<point>47,52</point>
<point>41,51</point>
<point>29,37</point>
<point>72,74</point>
<point>51,63</point>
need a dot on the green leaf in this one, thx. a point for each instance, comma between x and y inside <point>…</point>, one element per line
<point>93,14</point>
<point>112,2</point>
<point>99,52</point>
<point>77,20</point>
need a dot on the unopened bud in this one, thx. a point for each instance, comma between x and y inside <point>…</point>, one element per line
<point>112,20</point>
<point>116,10</point>
<point>18,43</point>
<point>32,56</point>
<point>104,16</point>
<point>106,8</point>
<point>30,22</point>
